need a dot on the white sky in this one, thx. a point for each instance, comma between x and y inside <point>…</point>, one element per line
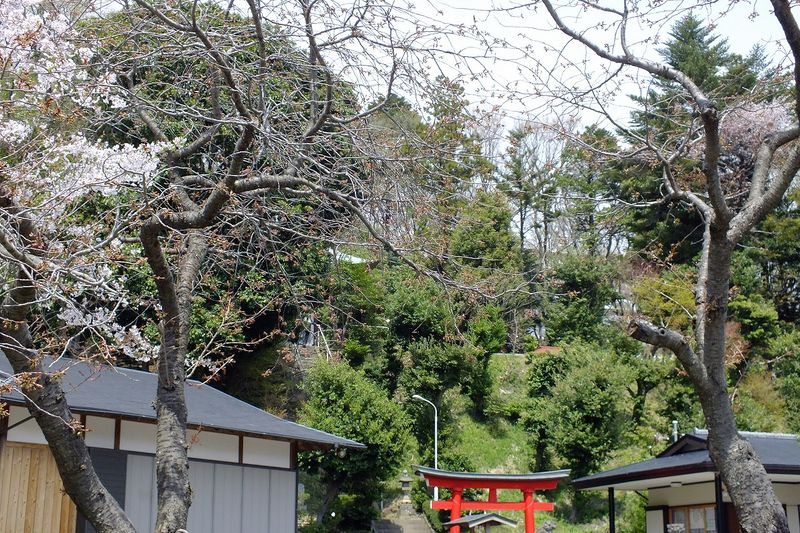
<point>534,59</point>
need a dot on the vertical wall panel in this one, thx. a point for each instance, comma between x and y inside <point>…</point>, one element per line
<point>140,491</point>
<point>201,513</point>
<point>227,498</point>
<point>111,467</point>
<point>32,496</point>
<point>283,497</point>
<point>794,518</point>
<point>255,500</point>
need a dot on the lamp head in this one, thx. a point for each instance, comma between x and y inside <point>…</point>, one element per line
<point>418,397</point>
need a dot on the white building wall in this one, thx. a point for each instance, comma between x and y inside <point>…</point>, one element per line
<point>213,446</point>
<point>264,452</point>
<point>655,521</point>
<point>787,493</point>
<point>100,432</point>
<point>700,493</point>
<point>141,437</point>
<point>137,437</point>
<point>26,432</point>
<point>226,498</point>
<point>140,491</point>
<point>703,493</point>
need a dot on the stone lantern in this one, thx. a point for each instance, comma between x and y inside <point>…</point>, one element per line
<point>405,486</point>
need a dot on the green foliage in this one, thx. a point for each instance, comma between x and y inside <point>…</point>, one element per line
<point>430,367</point>
<point>487,329</point>
<point>678,401</point>
<point>342,401</point>
<point>758,405</point>
<point>594,182</point>
<point>508,395</point>
<point>587,410</point>
<point>459,158</point>
<point>482,238</point>
<point>668,297</point>
<point>417,307</point>
<point>358,298</point>
<point>583,289</point>
<point>758,318</point>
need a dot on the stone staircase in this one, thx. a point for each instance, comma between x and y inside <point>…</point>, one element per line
<point>399,517</point>
<point>402,524</point>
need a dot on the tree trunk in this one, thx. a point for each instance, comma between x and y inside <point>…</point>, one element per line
<point>331,492</point>
<point>744,476</point>
<point>172,463</point>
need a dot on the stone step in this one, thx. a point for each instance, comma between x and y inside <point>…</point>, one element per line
<point>405,524</point>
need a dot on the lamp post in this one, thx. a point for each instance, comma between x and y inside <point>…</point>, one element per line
<point>435,438</point>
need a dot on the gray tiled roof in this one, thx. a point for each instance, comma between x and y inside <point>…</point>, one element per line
<point>779,453</point>
<point>554,474</point>
<point>483,519</point>
<point>103,389</point>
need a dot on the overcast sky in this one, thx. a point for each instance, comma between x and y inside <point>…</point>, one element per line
<point>536,59</point>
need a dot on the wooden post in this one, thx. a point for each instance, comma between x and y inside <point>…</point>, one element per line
<point>4,427</point>
<point>455,511</point>
<point>492,495</point>
<point>719,510</point>
<point>612,508</point>
<point>530,521</point>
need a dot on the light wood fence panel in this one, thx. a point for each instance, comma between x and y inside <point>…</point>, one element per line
<point>32,497</point>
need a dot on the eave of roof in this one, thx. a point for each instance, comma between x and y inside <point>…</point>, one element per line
<point>112,391</point>
<point>473,476</point>
<point>780,455</point>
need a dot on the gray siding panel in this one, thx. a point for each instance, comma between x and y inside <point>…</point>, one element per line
<point>201,513</point>
<point>227,498</point>
<point>140,491</point>
<point>255,500</point>
<point>283,496</point>
<point>111,468</point>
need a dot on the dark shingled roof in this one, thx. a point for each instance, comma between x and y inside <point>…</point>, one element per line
<point>779,453</point>
<point>108,390</point>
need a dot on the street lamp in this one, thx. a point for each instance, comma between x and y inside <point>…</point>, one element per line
<point>435,438</point>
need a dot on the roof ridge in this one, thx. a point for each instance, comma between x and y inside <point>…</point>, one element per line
<point>752,434</point>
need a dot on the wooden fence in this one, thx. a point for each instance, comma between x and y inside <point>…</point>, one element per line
<point>32,498</point>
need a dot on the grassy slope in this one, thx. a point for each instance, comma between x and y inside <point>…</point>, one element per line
<point>498,446</point>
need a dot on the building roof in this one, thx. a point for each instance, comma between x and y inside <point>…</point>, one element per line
<point>107,390</point>
<point>474,476</point>
<point>483,519</point>
<point>688,461</point>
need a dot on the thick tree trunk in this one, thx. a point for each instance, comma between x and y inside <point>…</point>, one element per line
<point>172,463</point>
<point>743,474</point>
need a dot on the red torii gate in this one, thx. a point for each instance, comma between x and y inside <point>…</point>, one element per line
<point>456,482</point>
